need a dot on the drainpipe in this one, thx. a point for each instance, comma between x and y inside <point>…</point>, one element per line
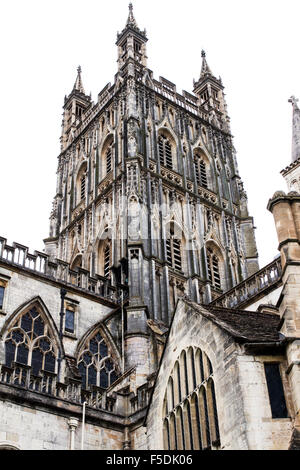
<point>83,425</point>
<point>63,294</point>
<point>123,339</point>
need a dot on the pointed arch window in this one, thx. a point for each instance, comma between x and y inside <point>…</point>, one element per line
<point>106,268</point>
<point>173,250</point>
<point>196,409</point>
<point>201,172</point>
<point>95,363</point>
<point>213,268</point>
<point>82,187</point>
<point>81,183</point>
<point>2,291</point>
<point>165,152</point>
<point>105,255</point>
<point>174,253</point>
<point>29,342</point>
<point>109,159</point>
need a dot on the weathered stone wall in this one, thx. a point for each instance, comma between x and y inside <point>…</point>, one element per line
<point>33,429</point>
<point>263,431</point>
<point>190,329</point>
<point>241,392</point>
<point>22,288</point>
<point>139,438</point>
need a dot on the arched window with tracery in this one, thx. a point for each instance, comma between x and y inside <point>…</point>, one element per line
<point>96,363</point>
<point>191,421</point>
<point>202,169</point>
<point>104,258</point>
<point>107,260</point>
<point>165,152</point>
<point>201,173</point>
<point>82,186</point>
<point>213,268</point>
<point>109,159</point>
<point>174,248</point>
<point>106,159</point>
<point>76,263</point>
<point>81,183</point>
<point>30,342</point>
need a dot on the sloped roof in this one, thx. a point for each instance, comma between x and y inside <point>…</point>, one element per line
<point>244,326</point>
<point>253,328</point>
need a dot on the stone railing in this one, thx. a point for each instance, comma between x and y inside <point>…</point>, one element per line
<point>21,376</point>
<point>141,399</point>
<point>246,292</point>
<point>187,102</point>
<point>39,263</point>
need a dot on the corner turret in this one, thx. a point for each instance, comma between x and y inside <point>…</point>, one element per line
<point>74,107</point>
<point>131,44</point>
<point>209,90</point>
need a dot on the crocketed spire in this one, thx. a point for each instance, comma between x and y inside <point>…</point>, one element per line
<point>131,19</point>
<point>205,70</point>
<point>78,86</point>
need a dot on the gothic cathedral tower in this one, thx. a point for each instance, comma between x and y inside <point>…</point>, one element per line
<point>149,199</point>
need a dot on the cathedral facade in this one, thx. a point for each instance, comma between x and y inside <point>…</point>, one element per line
<point>151,257</point>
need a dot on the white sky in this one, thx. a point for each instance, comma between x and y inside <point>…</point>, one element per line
<point>253,45</point>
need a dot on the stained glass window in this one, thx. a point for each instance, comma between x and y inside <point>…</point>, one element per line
<point>70,321</point>
<point>30,342</point>
<point>95,363</point>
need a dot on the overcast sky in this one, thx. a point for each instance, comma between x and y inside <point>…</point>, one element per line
<point>253,45</point>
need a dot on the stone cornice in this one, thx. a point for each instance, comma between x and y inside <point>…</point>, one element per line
<point>280,196</point>
<point>293,165</point>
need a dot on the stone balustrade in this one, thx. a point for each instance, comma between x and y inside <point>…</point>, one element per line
<point>20,375</point>
<point>39,263</point>
<point>46,383</point>
<point>255,285</point>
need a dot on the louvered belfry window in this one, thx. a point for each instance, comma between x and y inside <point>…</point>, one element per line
<point>95,363</point>
<point>173,248</point>
<point>82,187</point>
<point>165,152</point>
<point>106,271</point>
<point>108,160</point>
<point>213,268</point>
<point>190,420</point>
<point>201,172</point>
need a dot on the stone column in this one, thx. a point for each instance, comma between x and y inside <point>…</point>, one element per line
<point>73,424</point>
<point>127,442</point>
